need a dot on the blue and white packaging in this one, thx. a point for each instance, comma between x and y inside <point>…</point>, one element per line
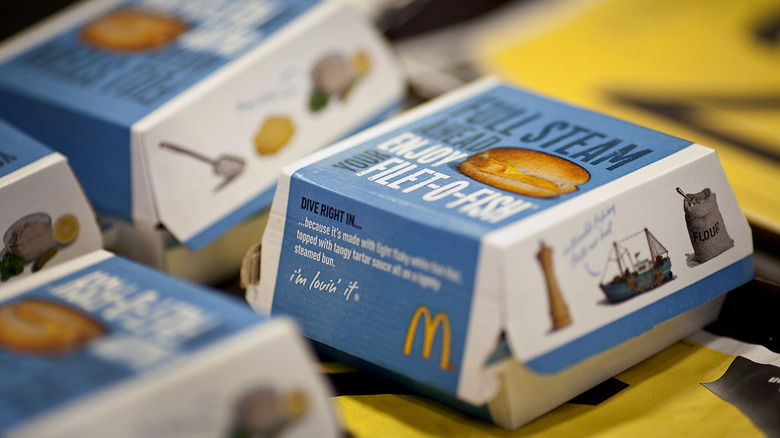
<point>502,249</point>
<point>101,346</point>
<point>180,113</point>
<point>45,217</point>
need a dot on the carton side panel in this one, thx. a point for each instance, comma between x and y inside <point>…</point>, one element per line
<point>145,214</point>
<point>480,411</point>
<point>622,259</point>
<point>47,220</point>
<point>261,112</point>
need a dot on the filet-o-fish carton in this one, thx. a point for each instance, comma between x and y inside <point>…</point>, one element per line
<point>177,115</point>
<point>500,250</point>
<point>101,346</point>
<point>45,218</point>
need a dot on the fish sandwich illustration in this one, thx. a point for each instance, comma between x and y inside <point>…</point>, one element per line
<point>132,31</point>
<point>525,171</point>
<point>39,326</point>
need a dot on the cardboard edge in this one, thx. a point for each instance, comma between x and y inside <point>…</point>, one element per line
<point>33,167</point>
<point>316,15</point>
<point>54,167</point>
<point>486,326</point>
<point>144,207</point>
<point>261,296</point>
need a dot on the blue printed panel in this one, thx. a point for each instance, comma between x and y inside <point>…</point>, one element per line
<point>370,283</point>
<point>140,320</point>
<point>17,150</point>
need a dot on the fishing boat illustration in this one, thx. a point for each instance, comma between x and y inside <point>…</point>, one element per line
<point>637,272</point>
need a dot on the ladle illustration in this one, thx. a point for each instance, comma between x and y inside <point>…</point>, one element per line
<point>225,165</point>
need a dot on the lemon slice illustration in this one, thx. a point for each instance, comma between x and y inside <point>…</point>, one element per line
<point>66,229</point>
<point>361,64</point>
<point>275,132</point>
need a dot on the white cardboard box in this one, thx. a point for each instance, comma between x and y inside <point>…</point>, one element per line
<point>504,297</point>
<point>45,217</point>
<point>180,113</point>
<point>101,346</point>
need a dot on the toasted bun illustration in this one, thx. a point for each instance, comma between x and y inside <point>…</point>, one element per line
<point>39,326</point>
<point>525,172</point>
<point>132,31</point>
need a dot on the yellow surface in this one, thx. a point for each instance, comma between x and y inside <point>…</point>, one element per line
<point>665,398</point>
<point>718,59</point>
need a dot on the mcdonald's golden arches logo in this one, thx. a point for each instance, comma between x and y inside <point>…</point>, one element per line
<point>432,324</point>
